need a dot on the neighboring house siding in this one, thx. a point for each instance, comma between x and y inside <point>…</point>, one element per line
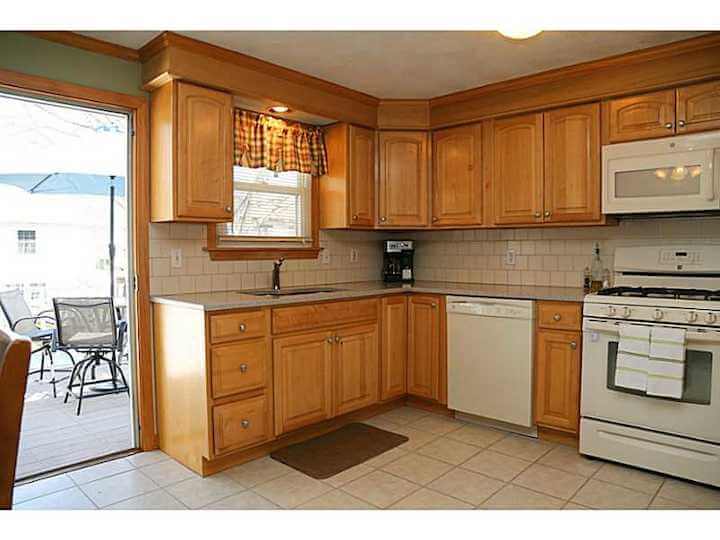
<point>35,56</point>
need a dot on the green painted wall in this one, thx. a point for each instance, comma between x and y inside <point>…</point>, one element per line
<point>35,56</point>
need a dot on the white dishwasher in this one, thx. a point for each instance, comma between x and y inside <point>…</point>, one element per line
<point>490,358</point>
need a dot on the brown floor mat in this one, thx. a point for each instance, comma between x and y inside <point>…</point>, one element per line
<point>334,452</point>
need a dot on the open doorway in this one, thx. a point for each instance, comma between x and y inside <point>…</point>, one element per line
<point>65,260</point>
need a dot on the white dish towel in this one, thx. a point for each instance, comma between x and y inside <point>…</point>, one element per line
<point>666,367</point>
<point>631,368</point>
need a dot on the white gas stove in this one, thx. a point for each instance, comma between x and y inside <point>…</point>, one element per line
<point>668,286</point>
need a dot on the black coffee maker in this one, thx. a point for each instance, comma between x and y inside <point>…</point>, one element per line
<point>398,261</point>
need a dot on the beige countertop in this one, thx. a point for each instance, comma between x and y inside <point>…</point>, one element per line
<point>214,301</point>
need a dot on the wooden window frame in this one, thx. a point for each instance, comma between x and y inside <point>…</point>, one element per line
<point>137,107</point>
<point>236,253</point>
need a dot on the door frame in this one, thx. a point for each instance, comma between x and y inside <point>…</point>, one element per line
<point>137,108</point>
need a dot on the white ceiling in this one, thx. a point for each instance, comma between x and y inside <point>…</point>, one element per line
<point>416,64</point>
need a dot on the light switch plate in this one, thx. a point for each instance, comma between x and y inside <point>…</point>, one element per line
<point>325,256</point>
<point>354,255</point>
<point>176,258</point>
<point>510,257</point>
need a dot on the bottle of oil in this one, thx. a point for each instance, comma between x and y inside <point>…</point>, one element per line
<point>596,270</point>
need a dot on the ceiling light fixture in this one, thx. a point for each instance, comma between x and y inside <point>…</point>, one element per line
<point>519,33</point>
<point>279,109</point>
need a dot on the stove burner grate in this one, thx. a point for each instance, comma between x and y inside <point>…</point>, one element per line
<point>661,292</point>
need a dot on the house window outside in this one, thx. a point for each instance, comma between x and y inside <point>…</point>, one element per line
<point>271,209</point>
<point>26,243</point>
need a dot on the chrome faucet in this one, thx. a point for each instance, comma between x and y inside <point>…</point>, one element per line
<point>276,273</point>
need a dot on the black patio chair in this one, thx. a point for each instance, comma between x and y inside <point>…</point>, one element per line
<point>89,326</point>
<point>22,321</point>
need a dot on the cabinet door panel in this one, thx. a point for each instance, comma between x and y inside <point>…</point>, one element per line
<point>518,169</point>
<point>204,153</point>
<point>393,374</point>
<point>557,380</point>
<point>362,177</point>
<point>403,181</point>
<point>640,117</point>
<point>357,363</point>
<point>698,107</point>
<point>423,371</point>
<point>303,380</point>
<point>457,178</point>
<point>572,164</point>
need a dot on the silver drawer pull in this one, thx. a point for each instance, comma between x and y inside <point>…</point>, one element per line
<point>243,368</point>
<point>556,317</point>
<point>573,345</point>
<point>669,125</point>
<point>330,340</point>
<point>245,424</point>
<point>242,327</point>
<point>228,209</point>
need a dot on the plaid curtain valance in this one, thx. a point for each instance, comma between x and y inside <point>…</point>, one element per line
<point>272,143</point>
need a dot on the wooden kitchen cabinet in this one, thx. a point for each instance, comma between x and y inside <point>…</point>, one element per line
<point>403,189</point>
<point>698,107</point>
<point>633,118</point>
<point>424,346</point>
<point>347,191</point>
<point>191,146</point>
<point>356,365</point>
<point>572,164</point>
<point>517,167</point>
<point>302,368</point>
<point>557,366</point>
<point>457,189</point>
<point>393,370</point>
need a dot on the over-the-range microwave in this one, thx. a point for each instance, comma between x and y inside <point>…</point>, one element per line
<point>674,174</point>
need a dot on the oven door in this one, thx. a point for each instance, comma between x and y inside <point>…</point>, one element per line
<point>696,415</point>
<point>663,181</point>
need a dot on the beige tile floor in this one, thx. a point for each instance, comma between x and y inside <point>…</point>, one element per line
<point>446,464</point>
<point>53,436</point>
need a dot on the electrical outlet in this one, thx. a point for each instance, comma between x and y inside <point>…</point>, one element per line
<point>354,255</point>
<point>325,257</point>
<point>176,258</point>
<point>510,257</point>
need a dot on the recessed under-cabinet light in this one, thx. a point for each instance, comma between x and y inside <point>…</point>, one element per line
<point>279,109</point>
<point>519,33</point>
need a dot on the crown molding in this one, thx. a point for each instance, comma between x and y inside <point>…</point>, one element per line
<point>80,41</point>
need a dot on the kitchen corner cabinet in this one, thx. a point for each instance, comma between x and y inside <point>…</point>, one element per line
<point>347,191</point>
<point>426,348</point>
<point>403,186</point>
<point>557,366</point>
<point>546,167</point>
<point>457,188</point>
<point>191,154</point>
<point>394,347</point>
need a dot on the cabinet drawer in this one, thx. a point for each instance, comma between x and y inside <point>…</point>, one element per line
<point>559,315</point>
<point>311,317</point>
<point>234,326</point>
<point>240,424</point>
<point>239,367</point>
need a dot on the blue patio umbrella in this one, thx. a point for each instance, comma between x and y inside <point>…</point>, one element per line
<point>79,184</point>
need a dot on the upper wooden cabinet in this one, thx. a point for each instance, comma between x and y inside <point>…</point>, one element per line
<point>424,346</point>
<point>191,154</point>
<point>403,179</point>
<point>347,191</point>
<point>698,107</point>
<point>647,116</point>
<point>662,114</point>
<point>457,177</point>
<point>518,169</point>
<point>394,345</point>
<point>572,164</point>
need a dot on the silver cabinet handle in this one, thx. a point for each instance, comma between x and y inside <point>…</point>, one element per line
<point>669,125</point>
<point>547,213</point>
<point>538,214</point>
<point>228,209</point>
<point>681,123</point>
<point>330,339</point>
<point>242,327</point>
<point>355,217</point>
<point>383,219</point>
<point>243,368</point>
<point>573,345</point>
<point>557,317</point>
<point>433,305</point>
<point>245,424</point>
<point>434,218</point>
<point>338,339</point>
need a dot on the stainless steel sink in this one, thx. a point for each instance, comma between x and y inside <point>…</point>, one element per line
<point>289,292</point>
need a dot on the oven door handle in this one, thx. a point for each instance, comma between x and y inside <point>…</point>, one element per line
<point>614,328</point>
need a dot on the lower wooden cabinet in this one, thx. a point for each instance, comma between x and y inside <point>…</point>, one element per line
<point>557,378</point>
<point>393,372</point>
<point>424,346</point>
<point>241,423</point>
<point>302,368</point>
<point>356,365</point>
